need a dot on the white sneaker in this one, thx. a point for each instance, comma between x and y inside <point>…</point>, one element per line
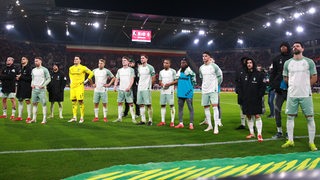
<point>134,121</point>
<point>81,120</point>
<point>51,116</point>
<point>32,121</point>
<point>117,120</point>
<point>208,128</point>
<point>73,120</point>
<point>203,122</point>
<point>61,117</point>
<point>44,122</point>
<point>216,130</point>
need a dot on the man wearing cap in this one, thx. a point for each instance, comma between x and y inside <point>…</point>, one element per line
<point>56,88</point>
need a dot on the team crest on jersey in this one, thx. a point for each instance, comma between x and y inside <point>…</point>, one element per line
<point>254,80</point>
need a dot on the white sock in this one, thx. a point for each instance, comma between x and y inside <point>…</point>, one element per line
<point>44,112</point>
<point>133,115</point>
<point>96,112</point>
<point>142,113</point>
<point>250,125</point>
<point>20,108</point>
<point>259,125</point>
<point>29,110</point>
<point>60,111</point>
<point>173,113</point>
<point>279,129</point>
<point>216,115</point>
<point>208,116</point>
<point>163,114</point>
<point>4,112</point>
<point>290,127</point>
<point>13,112</point>
<point>105,111</point>
<point>120,111</point>
<point>34,112</point>
<point>311,129</point>
<point>150,113</point>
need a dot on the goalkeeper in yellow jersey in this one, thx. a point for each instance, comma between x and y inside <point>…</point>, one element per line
<point>77,75</point>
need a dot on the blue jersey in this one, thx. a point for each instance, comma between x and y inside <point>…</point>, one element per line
<point>185,86</point>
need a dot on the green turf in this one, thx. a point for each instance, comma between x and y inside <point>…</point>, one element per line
<point>57,133</point>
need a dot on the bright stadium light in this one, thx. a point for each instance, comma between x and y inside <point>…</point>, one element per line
<point>196,41</point>
<point>279,20</point>
<point>201,32</point>
<point>312,10</point>
<point>96,25</point>
<point>67,32</point>
<point>297,15</point>
<point>299,29</point>
<point>49,32</point>
<point>240,41</point>
<point>9,26</point>
<point>288,33</point>
<point>210,42</point>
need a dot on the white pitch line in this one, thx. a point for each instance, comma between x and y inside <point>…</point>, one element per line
<point>139,147</point>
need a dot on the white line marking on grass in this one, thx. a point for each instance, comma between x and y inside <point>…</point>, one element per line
<point>140,147</point>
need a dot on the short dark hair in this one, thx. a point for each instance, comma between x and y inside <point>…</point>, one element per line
<point>38,57</point>
<point>167,59</point>
<point>298,42</point>
<point>126,57</point>
<point>185,59</point>
<point>146,56</point>
<point>102,60</point>
<point>208,53</point>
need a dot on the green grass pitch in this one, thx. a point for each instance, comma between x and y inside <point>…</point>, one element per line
<point>59,134</point>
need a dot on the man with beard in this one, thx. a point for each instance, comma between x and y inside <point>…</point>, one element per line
<point>146,75</point>
<point>56,88</point>
<point>8,80</point>
<point>277,83</point>
<point>252,89</point>
<point>300,73</point>
<point>24,88</point>
<point>40,79</point>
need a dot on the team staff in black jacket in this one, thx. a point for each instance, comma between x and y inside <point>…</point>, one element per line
<point>8,80</point>
<point>239,73</point>
<point>56,88</point>
<point>277,83</point>
<point>24,78</point>
<point>251,90</point>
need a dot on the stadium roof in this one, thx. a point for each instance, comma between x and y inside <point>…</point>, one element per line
<point>229,24</point>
